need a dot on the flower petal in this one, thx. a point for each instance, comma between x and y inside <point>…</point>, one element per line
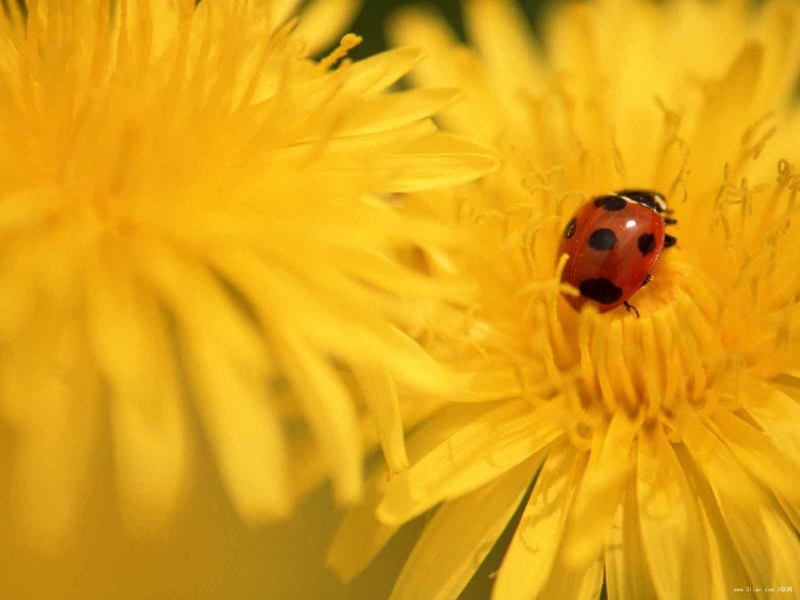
<point>439,160</point>
<point>279,297</point>
<point>610,465</point>
<point>322,21</point>
<point>499,30</point>
<point>580,584</point>
<point>380,396</point>
<point>381,113</point>
<point>449,64</point>
<point>282,10</point>
<point>763,540</point>
<point>512,432</point>
<point>726,569</point>
<point>627,576</point>
<point>378,72</point>
<point>762,457</point>
<point>432,574</point>
<point>328,409</point>
<point>131,341</point>
<point>53,452</point>
<point>780,30</point>
<point>229,379</point>
<point>777,414</point>
<point>360,536</point>
<point>668,520</point>
<point>714,459</point>
<point>531,557</point>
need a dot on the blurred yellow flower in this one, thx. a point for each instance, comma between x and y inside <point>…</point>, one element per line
<point>191,209</point>
<point>667,446</point>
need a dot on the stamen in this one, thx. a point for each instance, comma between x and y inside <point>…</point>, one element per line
<point>349,41</point>
<point>600,352</point>
<point>620,372</point>
<point>651,372</point>
<point>584,338</point>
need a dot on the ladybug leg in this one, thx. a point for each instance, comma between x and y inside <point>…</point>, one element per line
<point>631,307</point>
<point>669,241</point>
<point>670,221</point>
<point>647,279</point>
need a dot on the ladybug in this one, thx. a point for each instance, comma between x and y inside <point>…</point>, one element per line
<point>613,242</point>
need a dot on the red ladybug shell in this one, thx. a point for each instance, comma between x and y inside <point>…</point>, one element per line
<point>613,242</point>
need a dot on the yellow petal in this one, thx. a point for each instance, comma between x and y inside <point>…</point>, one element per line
<point>490,384</point>
<point>669,520</point>
<point>580,584</point>
<point>727,103</point>
<point>18,268</point>
<point>531,557</point>
<point>131,340</point>
<point>360,536</point>
<point>245,434</point>
<point>327,407</point>
<point>28,208</point>
<point>759,535</point>
<point>386,274</point>
<point>726,569</point>
<point>228,380</point>
<point>715,461</point>
<point>766,461</point>
<point>449,64</point>
<point>380,113</point>
<point>435,575</point>
<point>780,30</point>
<point>511,433</point>
<point>339,151</point>
<point>627,576</point>
<point>54,451</point>
<point>281,11</point>
<point>380,396</point>
<point>765,542</point>
<point>330,324</point>
<point>322,21</point>
<point>778,415</point>
<point>378,72</point>
<point>610,465</point>
<point>499,30</point>
<point>438,160</point>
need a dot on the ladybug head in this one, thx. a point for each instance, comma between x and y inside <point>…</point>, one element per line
<point>649,198</point>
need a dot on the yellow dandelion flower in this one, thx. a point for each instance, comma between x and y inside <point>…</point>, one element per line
<point>193,219</point>
<point>664,448</point>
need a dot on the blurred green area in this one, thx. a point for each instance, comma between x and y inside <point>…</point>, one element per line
<point>371,23</point>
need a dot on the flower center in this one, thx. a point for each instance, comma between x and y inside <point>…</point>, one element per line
<point>650,368</point>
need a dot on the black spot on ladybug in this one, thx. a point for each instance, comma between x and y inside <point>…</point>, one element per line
<point>670,240</point>
<point>647,243</point>
<point>569,231</point>
<point>600,290</point>
<point>602,239</point>
<point>611,202</point>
